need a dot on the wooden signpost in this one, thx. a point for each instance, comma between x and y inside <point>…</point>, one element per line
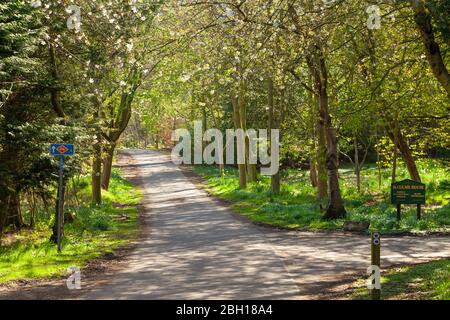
<point>61,150</point>
<point>375,250</point>
<point>408,192</point>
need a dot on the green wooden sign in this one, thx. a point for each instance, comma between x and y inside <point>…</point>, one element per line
<point>408,192</point>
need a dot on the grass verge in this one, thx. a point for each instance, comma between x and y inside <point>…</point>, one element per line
<point>96,230</point>
<point>296,206</point>
<point>427,281</point>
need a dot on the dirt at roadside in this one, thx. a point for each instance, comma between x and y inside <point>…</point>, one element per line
<point>98,271</point>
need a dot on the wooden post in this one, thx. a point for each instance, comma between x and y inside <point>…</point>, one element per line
<point>375,259</point>
<point>418,212</point>
<point>399,212</point>
<point>59,223</point>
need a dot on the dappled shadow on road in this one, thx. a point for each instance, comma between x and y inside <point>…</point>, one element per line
<point>196,249</point>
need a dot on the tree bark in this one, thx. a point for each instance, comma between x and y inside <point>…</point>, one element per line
<point>116,129</point>
<point>313,172</point>
<point>97,175</point>
<point>54,236</point>
<point>15,217</point>
<point>236,101</point>
<point>275,184</point>
<point>379,170</point>
<point>250,167</point>
<point>4,204</point>
<point>322,179</point>
<point>399,140</point>
<point>107,167</point>
<point>97,171</point>
<point>394,165</point>
<point>336,204</point>
<point>319,71</point>
<point>422,18</point>
<point>10,194</point>
<point>313,157</point>
<point>55,92</point>
<point>357,165</point>
<point>394,162</point>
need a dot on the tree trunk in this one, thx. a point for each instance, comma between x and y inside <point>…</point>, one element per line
<point>313,172</point>
<point>4,204</point>
<point>116,129</point>
<point>55,92</point>
<point>394,166</point>
<point>15,217</point>
<point>335,205</point>
<point>378,161</point>
<point>157,141</point>
<point>322,182</point>
<point>275,178</point>
<point>357,165</point>
<point>204,127</point>
<point>422,18</point>
<point>251,172</point>
<point>313,157</point>
<point>395,134</point>
<point>97,172</point>
<point>250,167</point>
<point>398,139</point>
<point>107,167</point>
<point>320,74</point>
<point>237,102</point>
<point>394,162</point>
<point>54,236</point>
<point>10,196</point>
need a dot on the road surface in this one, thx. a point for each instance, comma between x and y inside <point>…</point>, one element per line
<point>196,248</point>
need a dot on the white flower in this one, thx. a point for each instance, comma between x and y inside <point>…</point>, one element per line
<point>36,3</point>
<point>185,77</point>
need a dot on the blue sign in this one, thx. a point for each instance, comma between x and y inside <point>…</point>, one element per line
<point>62,149</point>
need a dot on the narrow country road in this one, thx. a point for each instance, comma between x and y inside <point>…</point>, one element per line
<point>195,248</point>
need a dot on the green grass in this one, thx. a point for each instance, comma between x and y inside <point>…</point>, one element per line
<point>296,205</point>
<point>427,281</point>
<point>95,230</point>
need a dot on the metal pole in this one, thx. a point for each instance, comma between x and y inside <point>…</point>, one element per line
<point>60,201</point>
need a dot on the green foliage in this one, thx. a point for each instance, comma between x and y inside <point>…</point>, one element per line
<point>95,230</point>
<point>427,281</point>
<point>297,207</point>
<point>19,35</point>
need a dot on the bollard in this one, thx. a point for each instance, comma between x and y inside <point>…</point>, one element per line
<point>376,257</point>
